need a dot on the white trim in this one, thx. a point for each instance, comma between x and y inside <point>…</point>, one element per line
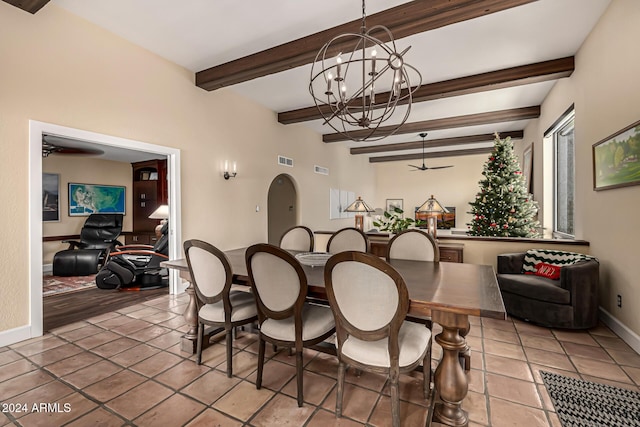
<point>15,335</point>
<point>620,329</point>
<point>36,129</point>
<point>47,269</point>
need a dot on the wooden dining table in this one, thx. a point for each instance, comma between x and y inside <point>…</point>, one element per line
<point>447,292</point>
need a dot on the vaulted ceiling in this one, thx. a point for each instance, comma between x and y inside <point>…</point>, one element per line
<point>486,65</point>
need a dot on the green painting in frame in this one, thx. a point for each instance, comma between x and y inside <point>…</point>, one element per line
<point>616,159</point>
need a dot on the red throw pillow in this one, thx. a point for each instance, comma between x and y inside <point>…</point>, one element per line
<point>547,270</point>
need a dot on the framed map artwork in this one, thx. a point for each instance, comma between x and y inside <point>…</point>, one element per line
<point>85,199</point>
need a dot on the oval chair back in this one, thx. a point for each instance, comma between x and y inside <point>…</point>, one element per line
<point>414,245</point>
<point>348,239</point>
<point>298,238</point>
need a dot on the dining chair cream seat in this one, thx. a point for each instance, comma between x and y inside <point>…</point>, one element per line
<point>284,318</point>
<point>298,238</point>
<point>369,300</point>
<point>348,239</point>
<point>218,305</point>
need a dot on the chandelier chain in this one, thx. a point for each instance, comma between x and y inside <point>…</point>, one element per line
<point>363,88</point>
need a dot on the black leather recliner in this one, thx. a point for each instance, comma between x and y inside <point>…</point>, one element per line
<point>136,266</point>
<point>97,238</point>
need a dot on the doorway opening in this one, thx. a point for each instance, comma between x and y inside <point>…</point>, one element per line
<point>282,207</point>
<point>36,132</point>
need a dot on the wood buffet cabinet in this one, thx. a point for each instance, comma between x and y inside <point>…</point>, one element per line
<point>149,192</point>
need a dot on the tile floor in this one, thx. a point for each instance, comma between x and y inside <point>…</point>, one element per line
<point>125,368</point>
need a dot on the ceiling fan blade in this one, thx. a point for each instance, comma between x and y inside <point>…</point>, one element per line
<point>440,167</point>
<point>414,166</point>
<point>85,151</point>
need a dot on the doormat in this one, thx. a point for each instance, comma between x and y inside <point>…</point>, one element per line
<point>55,285</point>
<point>585,403</point>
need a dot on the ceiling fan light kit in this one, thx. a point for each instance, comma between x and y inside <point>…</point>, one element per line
<point>423,135</point>
<point>347,88</point>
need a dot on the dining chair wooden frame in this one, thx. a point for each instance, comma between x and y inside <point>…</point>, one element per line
<point>297,229</point>
<point>341,232</point>
<point>294,310</point>
<point>414,235</point>
<point>389,330</point>
<point>223,296</point>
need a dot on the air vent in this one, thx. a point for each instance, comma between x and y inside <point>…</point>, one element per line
<point>285,161</point>
<point>321,170</point>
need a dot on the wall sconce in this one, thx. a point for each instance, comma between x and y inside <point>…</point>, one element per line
<point>228,174</point>
<point>433,209</point>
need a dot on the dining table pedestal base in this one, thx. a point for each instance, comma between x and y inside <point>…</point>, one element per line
<point>450,380</point>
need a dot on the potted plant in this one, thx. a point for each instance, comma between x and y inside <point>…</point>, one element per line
<point>394,223</point>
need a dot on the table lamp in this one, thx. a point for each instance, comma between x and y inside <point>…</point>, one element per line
<point>162,213</point>
<point>359,207</point>
<point>433,209</point>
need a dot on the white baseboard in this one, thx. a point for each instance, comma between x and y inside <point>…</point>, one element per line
<point>620,329</point>
<point>47,268</point>
<point>14,335</point>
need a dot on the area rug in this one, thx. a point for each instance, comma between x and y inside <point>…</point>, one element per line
<point>585,403</point>
<point>55,285</point>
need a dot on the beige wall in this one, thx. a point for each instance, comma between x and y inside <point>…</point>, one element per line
<point>605,90</point>
<point>456,186</point>
<point>59,69</point>
<point>82,170</point>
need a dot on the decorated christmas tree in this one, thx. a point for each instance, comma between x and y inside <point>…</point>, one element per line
<point>503,207</point>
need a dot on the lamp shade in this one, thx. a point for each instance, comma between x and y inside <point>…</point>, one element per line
<point>432,206</point>
<point>161,213</point>
<point>359,206</point>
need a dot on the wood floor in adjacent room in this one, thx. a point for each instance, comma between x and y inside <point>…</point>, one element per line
<point>67,308</point>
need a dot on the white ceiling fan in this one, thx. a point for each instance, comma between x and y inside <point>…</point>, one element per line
<point>423,135</point>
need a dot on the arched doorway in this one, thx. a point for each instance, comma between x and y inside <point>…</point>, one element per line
<point>282,206</point>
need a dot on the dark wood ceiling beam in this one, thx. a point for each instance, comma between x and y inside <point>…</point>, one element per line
<point>500,116</point>
<point>404,20</point>
<point>451,153</point>
<point>493,80</point>
<point>31,6</point>
<point>434,143</point>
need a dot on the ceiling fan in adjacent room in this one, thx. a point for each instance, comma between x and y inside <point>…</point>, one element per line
<point>423,135</point>
<point>53,145</point>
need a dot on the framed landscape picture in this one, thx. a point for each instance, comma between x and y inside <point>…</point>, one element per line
<point>85,199</point>
<point>616,159</point>
<point>50,197</point>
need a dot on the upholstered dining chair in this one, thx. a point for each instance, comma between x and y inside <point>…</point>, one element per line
<point>416,245</point>
<point>284,318</point>
<point>348,239</point>
<point>369,300</point>
<point>298,238</point>
<point>218,305</point>
<point>413,244</point>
